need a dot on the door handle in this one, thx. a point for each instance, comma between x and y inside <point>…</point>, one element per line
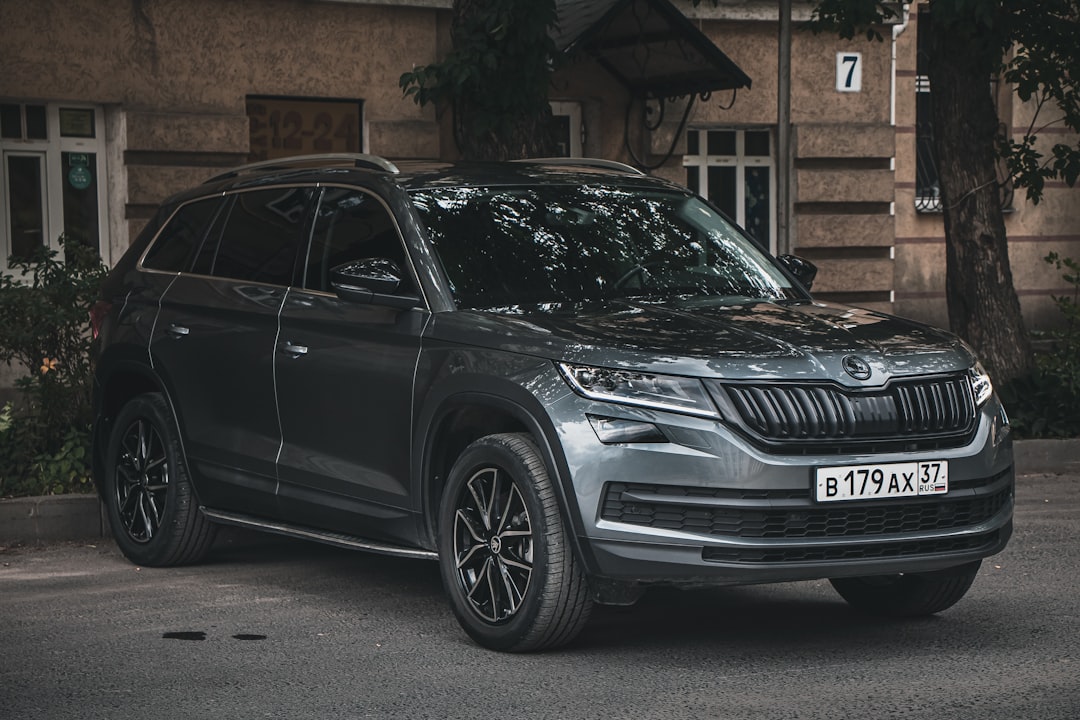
<point>293,351</point>
<point>178,331</point>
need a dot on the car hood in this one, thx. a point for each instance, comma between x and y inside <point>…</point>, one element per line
<point>712,338</point>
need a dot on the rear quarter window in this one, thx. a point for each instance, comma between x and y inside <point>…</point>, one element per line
<point>182,235</point>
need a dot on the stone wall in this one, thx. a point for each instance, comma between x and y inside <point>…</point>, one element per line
<point>174,76</point>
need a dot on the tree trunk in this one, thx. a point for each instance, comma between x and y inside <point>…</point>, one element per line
<point>507,117</point>
<point>528,136</point>
<point>983,305</point>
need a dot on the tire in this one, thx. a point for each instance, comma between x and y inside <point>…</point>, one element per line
<point>909,594</point>
<point>513,579</point>
<point>151,505</point>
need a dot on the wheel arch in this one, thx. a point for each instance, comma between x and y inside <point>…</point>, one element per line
<point>118,380</point>
<point>462,416</point>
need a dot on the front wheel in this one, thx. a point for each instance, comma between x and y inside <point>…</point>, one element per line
<point>908,594</point>
<point>513,580</point>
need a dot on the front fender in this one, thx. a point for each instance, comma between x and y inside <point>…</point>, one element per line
<point>516,393</point>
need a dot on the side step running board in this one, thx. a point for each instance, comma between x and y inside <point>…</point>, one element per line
<point>329,538</point>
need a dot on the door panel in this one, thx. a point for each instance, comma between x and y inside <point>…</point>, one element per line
<point>344,382</point>
<point>213,344</point>
<point>346,407</point>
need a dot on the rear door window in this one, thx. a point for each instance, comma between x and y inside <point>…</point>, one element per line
<point>261,236</point>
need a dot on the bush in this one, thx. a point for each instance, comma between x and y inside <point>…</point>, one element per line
<point>1047,402</point>
<point>44,328</point>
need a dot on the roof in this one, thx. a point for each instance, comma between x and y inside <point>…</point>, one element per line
<point>649,45</point>
<point>370,170</point>
<point>543,171</point>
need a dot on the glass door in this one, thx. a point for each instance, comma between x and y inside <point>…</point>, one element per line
<point>52,179</point>
<point>25,205</point>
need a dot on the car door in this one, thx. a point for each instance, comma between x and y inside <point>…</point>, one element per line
<point>345,380</point>
<point>213,343</point>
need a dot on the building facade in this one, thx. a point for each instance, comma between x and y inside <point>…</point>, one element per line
<point>109,106</point>
<point>1033,230</point>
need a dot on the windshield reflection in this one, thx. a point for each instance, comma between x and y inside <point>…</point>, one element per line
<point>527,246</point>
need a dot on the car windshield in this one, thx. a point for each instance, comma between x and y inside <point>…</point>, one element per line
<point>514,246</point>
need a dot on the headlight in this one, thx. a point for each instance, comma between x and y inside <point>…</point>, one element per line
<point>660,392</point>
<point>981,386</point>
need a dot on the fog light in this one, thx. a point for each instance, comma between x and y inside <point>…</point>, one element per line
<point>612,431</point>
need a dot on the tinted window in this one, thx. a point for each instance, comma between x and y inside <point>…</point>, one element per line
<point>261,236</point>
<point>183,234</point>
<point>518,246</point>
<point>352,225</point>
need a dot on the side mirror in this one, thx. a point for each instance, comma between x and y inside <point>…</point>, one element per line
<point>803,270</point>
<point>373,280</point>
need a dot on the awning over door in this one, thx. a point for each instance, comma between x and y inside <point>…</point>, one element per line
<point>648,45</point>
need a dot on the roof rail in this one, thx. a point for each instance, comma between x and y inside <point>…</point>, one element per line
<point>360,160</point>
<point>583,162</point>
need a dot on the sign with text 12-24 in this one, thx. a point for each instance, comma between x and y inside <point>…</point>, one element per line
<point>284,127</point>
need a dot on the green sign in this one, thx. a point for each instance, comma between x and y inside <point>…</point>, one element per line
<point>79,177</point>
<point>79,159</point>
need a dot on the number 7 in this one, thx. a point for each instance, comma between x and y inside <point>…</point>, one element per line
<point>854,60</point>
<point>849,72</point>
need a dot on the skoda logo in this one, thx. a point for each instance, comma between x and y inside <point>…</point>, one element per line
<point>856,367</point>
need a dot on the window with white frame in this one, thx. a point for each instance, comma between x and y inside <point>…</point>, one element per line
<point>733,168</point>
<point>927,187</point>
<point>52,176</point>
<point>566,128</point>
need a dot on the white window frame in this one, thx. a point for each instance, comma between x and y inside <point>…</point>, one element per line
<point>571,110</point>
<point>740,161</point>
<point>53,179</point>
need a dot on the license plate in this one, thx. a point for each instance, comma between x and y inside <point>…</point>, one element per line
<point>885,480</point>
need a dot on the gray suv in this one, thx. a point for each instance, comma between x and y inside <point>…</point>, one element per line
<point>564,380</point>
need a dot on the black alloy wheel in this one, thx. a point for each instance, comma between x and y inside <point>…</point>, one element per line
<point>493,545</point>
<point>141,482</point>
<point>512,577</point>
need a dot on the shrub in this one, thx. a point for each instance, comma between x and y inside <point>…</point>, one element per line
<point>44,329</point>
<point>1047,402</point>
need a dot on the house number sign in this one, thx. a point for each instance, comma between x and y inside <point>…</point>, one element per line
<point>849,72</point>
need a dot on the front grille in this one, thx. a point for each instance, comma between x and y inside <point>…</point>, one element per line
<point>698,510</point>
<point>928,413</point>
<point>850,552</point>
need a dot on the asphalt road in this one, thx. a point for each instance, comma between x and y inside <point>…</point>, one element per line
<point>271,628</point>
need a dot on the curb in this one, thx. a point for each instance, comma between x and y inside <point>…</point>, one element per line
<point>51,518</point>
<point>55,518</point>
<point>1037,457</point>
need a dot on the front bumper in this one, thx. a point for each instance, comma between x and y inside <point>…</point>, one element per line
<point>709,507</point>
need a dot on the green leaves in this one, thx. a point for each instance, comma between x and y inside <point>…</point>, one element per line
<point>1044,70</point>
<point>848,18</point>
<point>44,329</point>
<point>1047,403</point>
<point>496,76</point>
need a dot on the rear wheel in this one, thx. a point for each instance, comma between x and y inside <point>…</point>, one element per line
<point>151,505</point>
<point>908,594</point>
<point>512,577</point>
